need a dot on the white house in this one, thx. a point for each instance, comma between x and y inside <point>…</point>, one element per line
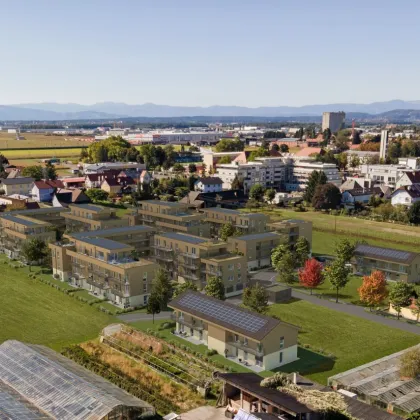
<point>408,178</point>
<point>43,191</point>
<point>145,178</point>
<point>209,184</point>
<point>359,195</point>
<point>21,186</point>
<point>406,195</point>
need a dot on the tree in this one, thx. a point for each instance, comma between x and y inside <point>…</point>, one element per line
<point>182,287</point>
<point>256,298</point>
<point>326,134</point>
<point>192,168</point>
<point>179,168</point>
<point>354,161</point>
<point>112,149</point>
<point>286,268</point>
<point>50,172</point>
<point>33,250</point>
<point>316,178</point>
<point>400,296</point>
<point>410,364</point>
<point>414,213</point>
<point>256,192</point>
<point>284,148</point>
<point>413,416</point>
<point>415,308</point>
<point>269,195</point>
<point>326,197</point>
<point>96,194</point>
<point>228,145</point>
<point>34,171</point>
<point>226,231</point>
<point>161,286</point>
<point>342,161</point>
<point>356,138</point>
<point>225,159</point>
<point>302,250</point>
<point>215,288</point>
<point>394,150</point>
<point>277,253</point>
<point>311,276</point>
<point>153,304</point>
<point>181,191</point>
<point>344,250</point>
<point>373,290</point>
<point>275,147</point>
<point>338,275</point>
<point>236,184</point>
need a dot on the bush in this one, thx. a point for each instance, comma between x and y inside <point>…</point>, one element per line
<point>211,352</point>
<point>273,382</point>
<point>410,364</point>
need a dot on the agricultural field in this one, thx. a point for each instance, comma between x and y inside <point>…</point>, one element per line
<point>41,153</point>
<point>38,313</point>
<point>35,140</point>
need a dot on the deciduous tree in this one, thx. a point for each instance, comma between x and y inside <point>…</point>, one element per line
<point>161,286</point>
<point>326,197</point>
<point>33,250</point>
<point>256,192</point>
<point>269,195</point>
<point>192,168</point>
<point>373,290</point>
<point>415,308</point>
<point>311,276</point>
<point>286,268</point>
<point>284,148</point>
<point>237,184</point>
<point>153,304</point>
<point>215,288</point>
<point>344,250</point>
<point>277,253</point>
<point>256,298</point>
<point>96,194</point>
<point>338,275</point>
<point>400,296</point>
<point>228,145</point>
<point>414,213</point>
<point>302,250</point>
<point>226,231</point>
<point>34,171</point>
<point>182,287</point>
<point>316,178</point>
<point>410,364</point>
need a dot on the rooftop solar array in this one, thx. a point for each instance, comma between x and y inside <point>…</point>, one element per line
<point>385,252</point>
<point>223,312</point>
<point>58,386</point>
<point>186,238</point>
<point>258,236</point>
<point>20,220</point>
<point>104,243</point>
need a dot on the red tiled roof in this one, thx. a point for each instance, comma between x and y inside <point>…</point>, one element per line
<point>308,151</point>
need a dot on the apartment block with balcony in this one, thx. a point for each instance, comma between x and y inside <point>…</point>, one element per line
<point>293,229</point>
<point>53,215</point>
<point>395,264</point>
<point>257,341</point>
<point>246,223</point>
<point>17,229</point>
<point>256,247</point>
<point>167,216</point>
<point>105,268</point>
<point>86,217</point>
<point>195,259</point>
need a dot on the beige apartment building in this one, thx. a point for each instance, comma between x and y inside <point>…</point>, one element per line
<point>53,215</point>
<point>167,216</point>
<point>246,223</point>
<point>195,259</point>
<point>395,264</point>
<point>243,336</point>
<point>293,229</point>
<point>256,247</point>
<point>105,268</point>
<point>17,229</point>
<point>85,217</point>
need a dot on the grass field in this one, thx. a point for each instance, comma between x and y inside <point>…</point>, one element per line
<point>41,153</point>
<point>37,313</point>
<point>34,140</point>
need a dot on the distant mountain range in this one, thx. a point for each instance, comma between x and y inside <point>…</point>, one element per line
<point>112,110</point>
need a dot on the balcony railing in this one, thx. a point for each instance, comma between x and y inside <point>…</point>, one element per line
<point>242,346</point>
<point>185,254</point>
<point>195,324</point>
<point>189,265</point>
<point>166,258</point>
<point>189,276</point>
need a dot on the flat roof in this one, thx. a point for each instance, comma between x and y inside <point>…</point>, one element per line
<point>22,220</point>
<point>41,210</point>
<point>112,231</point>
<point>257,236</point>
<point>185,238</point>
<point>104,243</point>
<point>164,203</point>
<point>225,314</point>
<point>91,207</point>
<point>388,254</point>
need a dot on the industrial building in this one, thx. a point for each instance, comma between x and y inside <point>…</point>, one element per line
<point>333,120</point>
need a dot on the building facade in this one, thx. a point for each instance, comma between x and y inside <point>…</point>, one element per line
<point>333,120</point>
<point>208,185</point>
<point>21,186</point>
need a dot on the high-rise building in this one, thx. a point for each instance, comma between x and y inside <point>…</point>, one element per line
<point>333,120</point>
<point>384,144</point>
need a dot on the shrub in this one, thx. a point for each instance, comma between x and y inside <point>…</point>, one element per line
<point>211,352</point>
<point>410,364</point>
<point>278,379</point>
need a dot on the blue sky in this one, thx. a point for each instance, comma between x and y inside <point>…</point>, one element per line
<point>196,52</point>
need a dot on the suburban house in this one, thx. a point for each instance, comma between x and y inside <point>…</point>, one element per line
<point>74,182</point>
<point>359,195</point>
<point>43,191</point>
<point>22,186</point>
<point>84,217</point>
<point>104,267</point>
<point>229,199</point>
<point>396,265</point>
<point>111,186</point>
<point>409,178</point>
<point>106,167</point>
<point>406,195</point>
<point>17,202</point>
<point>63,197</point>
<point>196,259</point>
<point>17,229</point>
<point>144,179</point>
<point>245,222</point>
<point>208,184</point>
<point>293,229</point>
<point>166,216</point>
<point>256,247</point>
<point>255,340</point>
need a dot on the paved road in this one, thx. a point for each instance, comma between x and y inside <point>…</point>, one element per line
<point>143,317</point>
<point>345,308</point>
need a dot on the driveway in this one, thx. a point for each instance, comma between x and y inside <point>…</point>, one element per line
<point>144,317</point>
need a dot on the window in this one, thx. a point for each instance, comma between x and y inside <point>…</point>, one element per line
<point>239,266</point>
<point>230,267</point>
<point>281,357</point>
<point>245,341</point>
<point>281,342</point>
<point>145,276</point>
<point>236,338</point>
<point>144,288</point>
<point>230,278</point>
<point>193,250</point>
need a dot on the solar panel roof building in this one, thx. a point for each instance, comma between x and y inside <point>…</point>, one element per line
<point>396,264</point>
<point>43,380</point>
<point>235,332</point>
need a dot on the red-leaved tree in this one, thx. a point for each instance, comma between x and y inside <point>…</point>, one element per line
<point>311,275</point>
<point>373,290</point>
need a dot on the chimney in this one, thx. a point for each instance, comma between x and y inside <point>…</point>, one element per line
<point>294,378</point>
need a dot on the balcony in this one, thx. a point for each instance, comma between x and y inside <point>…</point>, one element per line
<point>189,276</point>
<point>242,346</point>
<point>195,324</point>
<point>189,265</point>
<point>185,254</point>
<point>162,248</point>
<point>97,283</point>
<point>163,258</point>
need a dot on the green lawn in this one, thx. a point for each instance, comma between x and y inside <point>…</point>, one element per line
<point>37,313</point>
<point>352,340</point>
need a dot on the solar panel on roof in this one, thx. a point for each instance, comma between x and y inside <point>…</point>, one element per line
<point>384,252</point>
<point>222,312</point>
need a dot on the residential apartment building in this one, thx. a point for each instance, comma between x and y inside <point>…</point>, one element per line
<point>85,217</point>
<point>52,215</point>
<point>21,186</point>
<point>386,174</point>
<point>104,267</point>
<point>195,259</point>
<point>395,264</point>
<point>333,120</point>
<point>246,337</point>
<point>245,223</point>
<point>256,247</point>
<point>293,229</point>
<point>17,229</point>
<point>165,216</point>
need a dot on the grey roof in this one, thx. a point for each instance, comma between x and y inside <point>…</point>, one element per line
<point>112,231</point>
<point>20,220</point>
<point>58,386</point>
<point>257,236</point>
<point>164,203</point>
<point>387,254</point>
<point>39,211</point>
<point>186,238</point>
<point>91,207</point>
<point>228,211</point>
<point>225,314</point>
<point>104,243</point>
<point>211,180</point>
<point>17,181</point>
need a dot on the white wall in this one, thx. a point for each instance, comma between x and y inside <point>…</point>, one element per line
<point>272,360</point>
